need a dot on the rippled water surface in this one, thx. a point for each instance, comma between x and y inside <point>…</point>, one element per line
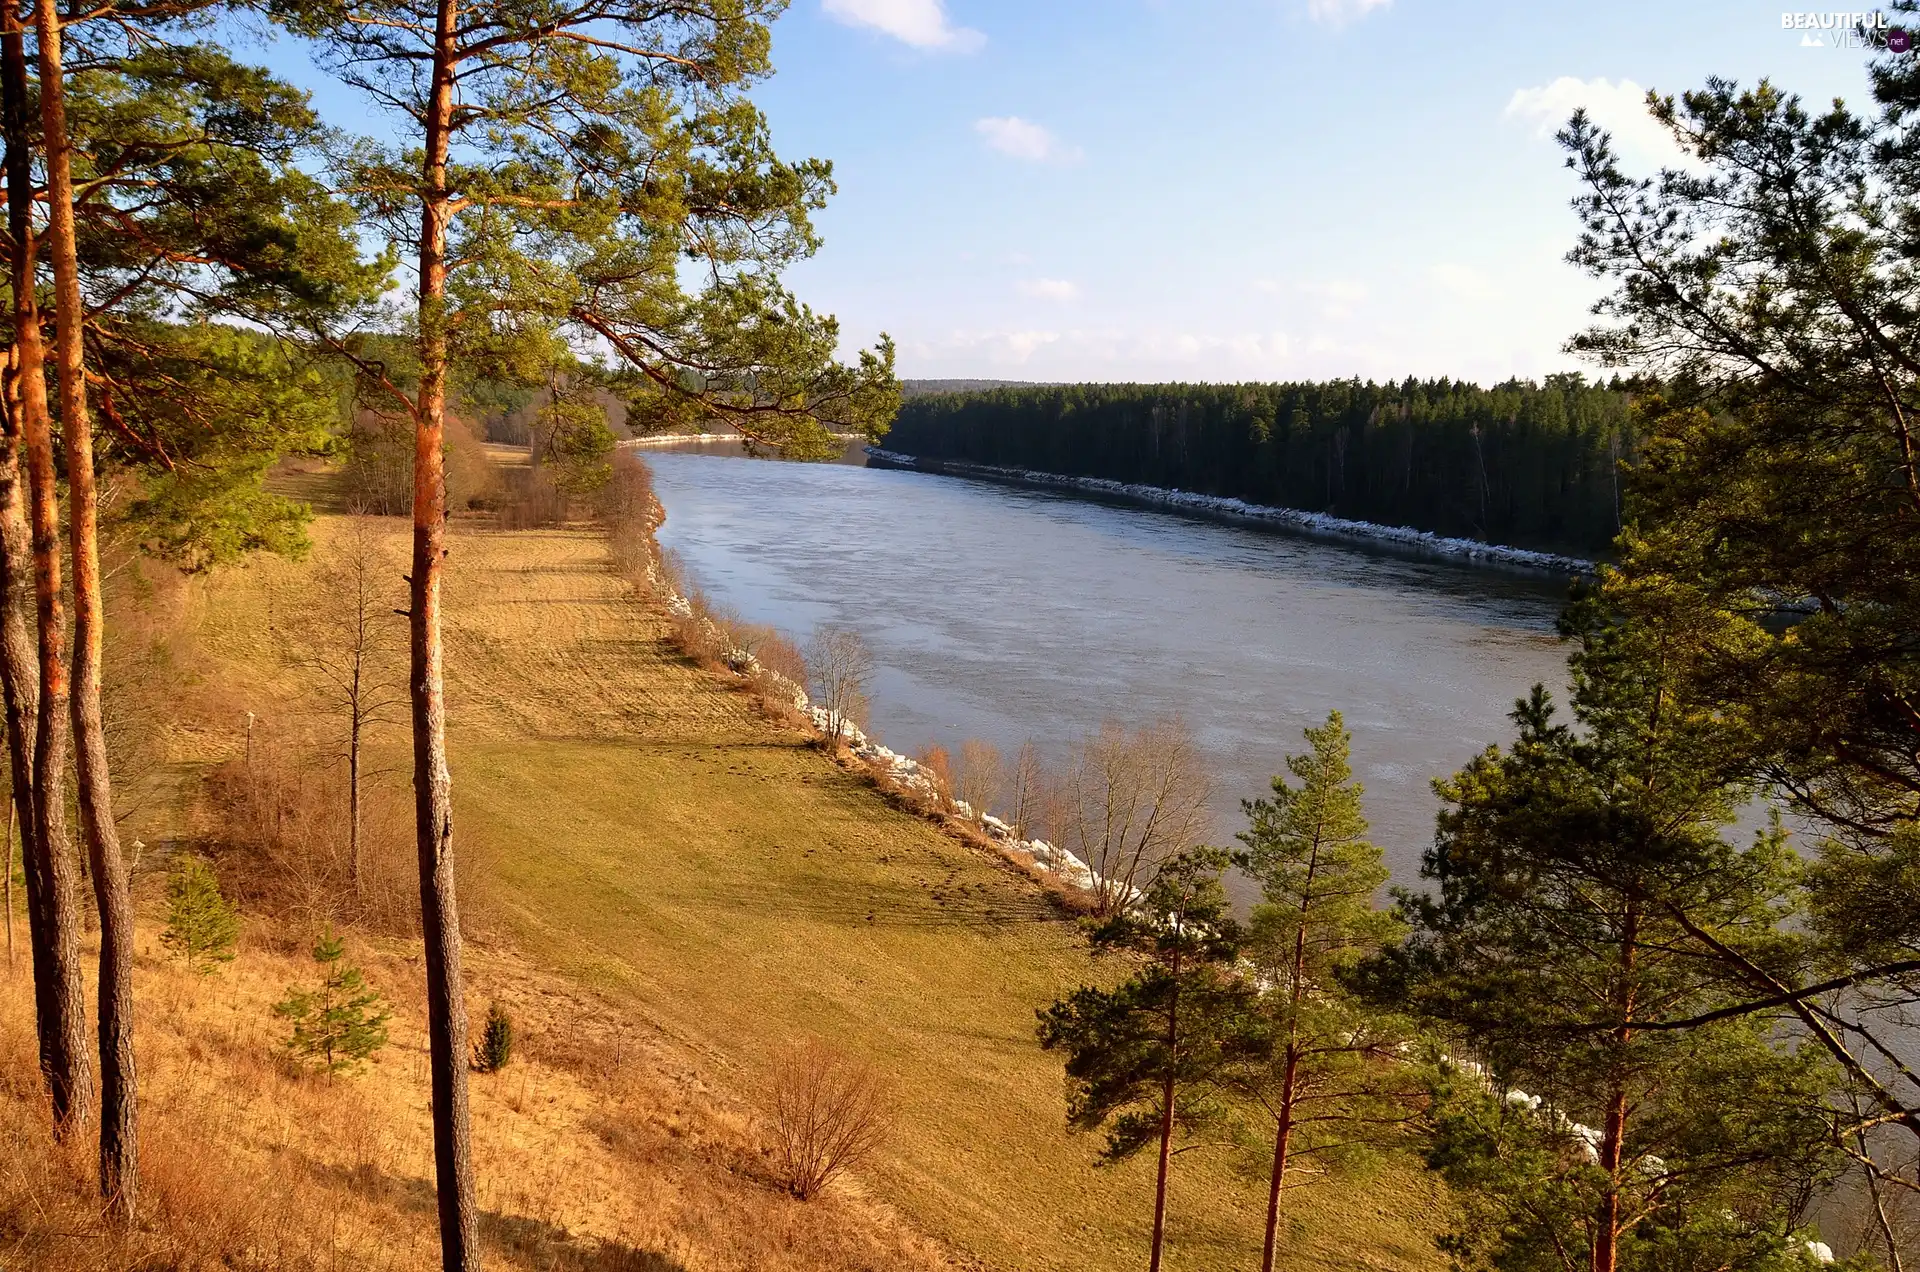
<point>1006,614</point>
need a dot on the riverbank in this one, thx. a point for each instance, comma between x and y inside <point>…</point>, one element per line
<point>671,439</point>
<point>1315,524</point>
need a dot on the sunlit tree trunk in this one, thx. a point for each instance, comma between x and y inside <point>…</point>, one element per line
<point>439,912</point>
<point>19,676</point>
<point>1290,1077</point>
<point>1167,1094</point>
<point>1613,1136</point>
<point>53,883</point>
<point>1282,1144</point>
<point>119,1155</point>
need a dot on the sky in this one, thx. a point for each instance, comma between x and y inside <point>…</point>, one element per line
<point>1223,190</point>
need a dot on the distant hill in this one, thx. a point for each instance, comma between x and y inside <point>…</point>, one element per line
<point>922,388</point>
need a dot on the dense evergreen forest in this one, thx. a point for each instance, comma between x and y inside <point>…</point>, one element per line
<point>1532,465</point>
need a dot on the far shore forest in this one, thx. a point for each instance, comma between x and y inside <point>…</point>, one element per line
<point>301,429</point>
<point>1523,464</point>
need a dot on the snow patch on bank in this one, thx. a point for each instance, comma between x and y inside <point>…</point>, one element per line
<point>1317,523</point>
<point>664,439</point>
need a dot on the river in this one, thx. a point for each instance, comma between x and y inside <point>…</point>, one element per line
<point>1004,613</point>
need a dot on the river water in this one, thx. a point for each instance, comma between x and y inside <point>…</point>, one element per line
<point>1004,613</point>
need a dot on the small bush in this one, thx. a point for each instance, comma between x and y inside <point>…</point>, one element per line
<point>936,766</point>
<point>202,925</point>
<point>830,1113</point>
<point>495,1048</point>
<point>338,1024</point>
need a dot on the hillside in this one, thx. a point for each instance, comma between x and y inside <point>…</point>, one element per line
<point>667,891</point>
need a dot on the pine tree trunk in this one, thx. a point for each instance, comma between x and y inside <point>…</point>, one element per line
<point>9,876</point>
<point>1282,1141</point>
<point>1613,1136</point>
<point>53,884</point>
<point>1167,1094</point>
<point>1160,1180</point>
<point>433,813</point>
<point>119,1099</point>
<point>1290,1077</point>
<point>1606,1236</point>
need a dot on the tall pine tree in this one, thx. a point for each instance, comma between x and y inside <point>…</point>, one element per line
<point>1338,1077</point>
<point>1148,1057</point>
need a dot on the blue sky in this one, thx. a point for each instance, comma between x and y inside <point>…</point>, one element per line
<point>1228,189</point>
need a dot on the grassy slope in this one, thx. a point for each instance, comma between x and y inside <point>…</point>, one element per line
<point>641,832</point>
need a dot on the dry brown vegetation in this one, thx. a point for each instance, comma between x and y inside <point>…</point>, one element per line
<point>597,1152</point>
<point>827,1113</point>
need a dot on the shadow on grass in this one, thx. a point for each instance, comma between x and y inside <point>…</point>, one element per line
<point>545,1245</point>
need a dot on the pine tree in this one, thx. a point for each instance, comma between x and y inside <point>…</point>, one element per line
<point>1148,1056</point>
<point>1767,288</point>
<point>495,1048</point>
<point>202,925</point>
<point>339,1023</point>
<point>1336,1078</point>
<point>1582,881</point>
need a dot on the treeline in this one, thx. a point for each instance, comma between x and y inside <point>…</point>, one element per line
<point>1525,464</point>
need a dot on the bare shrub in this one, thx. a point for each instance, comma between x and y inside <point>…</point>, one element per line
<point>842,669</point>
<point>1127,801</point>
<point>627,508</point>
<point>379,468</point>
<point>282,836</point>
<point>936,766</point>
<point>830,1114</point>
<point>350,639</point>
<point>533,500</point>
<point>778,655</point>
<point>976,777</point>
<point>1026,790</point>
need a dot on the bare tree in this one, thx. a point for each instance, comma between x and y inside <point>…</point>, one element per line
<point>936,768</point>
<point>830,1113</point>
<point>841,667</point>
<point>352,643</point>
<point>1129,800</point>
<point>976,777</point>
<point>1026,783</point>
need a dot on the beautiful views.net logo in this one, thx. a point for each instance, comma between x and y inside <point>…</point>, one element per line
<point>1842,30</point>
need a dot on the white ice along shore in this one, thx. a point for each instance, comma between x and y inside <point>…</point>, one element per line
<point>902,769</point>
<point>667,439</point>
<point>1318,523</point>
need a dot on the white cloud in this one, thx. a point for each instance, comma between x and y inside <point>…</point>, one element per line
<point>1337,13</point>
<point>1620,108</point>
<point>1337,297</point>
<point>1097,354</point>
<point>1461,280</point>
<point>922,23</point>
<point>1049,288</point>
<point>1024,139</point>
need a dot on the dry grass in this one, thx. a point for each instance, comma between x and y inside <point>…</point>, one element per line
<point>595,1151</point>
<point>669,890</point>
